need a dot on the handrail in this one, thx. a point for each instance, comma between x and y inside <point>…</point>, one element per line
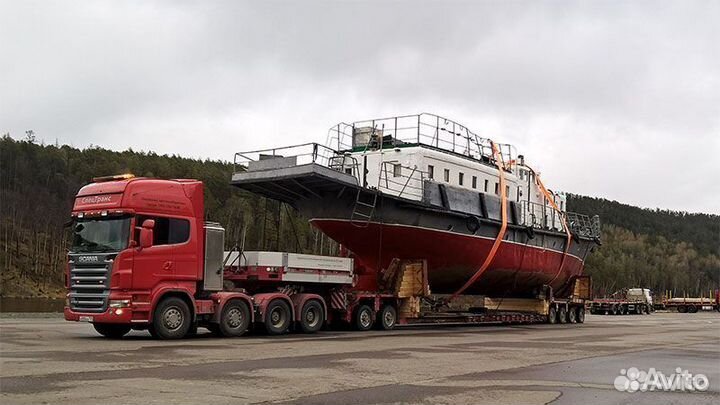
<point>409,185</point>
<point>423,129</point>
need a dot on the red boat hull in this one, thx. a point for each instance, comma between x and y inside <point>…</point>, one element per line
<point>517,269</point>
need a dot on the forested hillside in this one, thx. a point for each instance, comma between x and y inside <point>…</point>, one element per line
<point>661,249</point>
<point>657,249</point>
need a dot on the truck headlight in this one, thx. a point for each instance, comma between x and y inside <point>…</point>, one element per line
<point>119,303</point>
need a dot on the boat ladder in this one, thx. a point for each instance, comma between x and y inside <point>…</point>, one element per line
<point>365,202</point>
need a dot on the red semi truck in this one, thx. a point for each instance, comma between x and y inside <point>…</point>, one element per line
<point>143,257</point>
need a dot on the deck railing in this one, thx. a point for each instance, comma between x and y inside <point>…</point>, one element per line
<point>543,216</point>
<point>402,181</point>
<point>419,129</point>
<point>584,225</point>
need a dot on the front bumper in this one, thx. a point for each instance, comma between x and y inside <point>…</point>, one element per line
<point>112,315</point>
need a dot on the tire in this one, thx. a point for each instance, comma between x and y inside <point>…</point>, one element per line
<point>172,319</point>
<point>614,310</point>
<point>562,314</point>
<point>580,315</point>
<point>277,317</point>
<point>682,309</point>
<point>364,318</point>
<point>234,319</point>
<point>387,318</point>
<point>112,330</point>
<point>572,315</point>
<point>692,309</point>
<point>552,315</point>
<point>312,317</point>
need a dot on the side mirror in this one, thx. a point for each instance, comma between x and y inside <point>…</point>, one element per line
<point>146,233</point>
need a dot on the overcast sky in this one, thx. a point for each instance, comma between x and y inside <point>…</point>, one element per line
<point>611,99</point>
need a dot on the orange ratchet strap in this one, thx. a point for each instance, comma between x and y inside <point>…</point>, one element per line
<point>547,194</point>
<point>503,226</point>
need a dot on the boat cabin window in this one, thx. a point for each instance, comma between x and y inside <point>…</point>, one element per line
<point>397,170</point>
<point>486,185</point>
<point>474,182</point>
<point>461,176</point>
<point>497,189</point>
<point>431,171</point>
<point>507,191</point>
<point>447,175</point>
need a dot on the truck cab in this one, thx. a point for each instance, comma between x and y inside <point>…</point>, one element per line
<point>137,242</point>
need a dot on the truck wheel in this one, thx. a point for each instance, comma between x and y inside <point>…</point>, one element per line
<point>364,318</point>
<point>234,319</point>
<point>682,309</point>
<point>692,309</point>
<point>171,319</point>
<point>277,317</point>
<point>572,315</point>
<point>552,315</point>
<point>580,315</point>
<point>387,318</point>
<point>312,317</point>
<point>112,330</point>
<point>562,314</point>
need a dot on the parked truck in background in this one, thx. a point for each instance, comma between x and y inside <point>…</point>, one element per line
<point>143,257</point>
<point>691,305</point>
<point>631,301</point>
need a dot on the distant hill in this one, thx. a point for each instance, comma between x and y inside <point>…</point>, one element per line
<point>656,249</point>
<point>700,230</point>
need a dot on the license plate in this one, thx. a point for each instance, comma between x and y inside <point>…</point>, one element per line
<point>86,319</point>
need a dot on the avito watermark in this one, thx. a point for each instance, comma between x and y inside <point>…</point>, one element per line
<point>634,379</point>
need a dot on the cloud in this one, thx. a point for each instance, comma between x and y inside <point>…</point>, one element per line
<point>620,100</point>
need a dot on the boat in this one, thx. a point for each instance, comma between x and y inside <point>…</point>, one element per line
<point>426,187</point>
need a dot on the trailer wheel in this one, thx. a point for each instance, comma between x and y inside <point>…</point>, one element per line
<point>572,315</point>
<point>112,330</point>
<point>682,309</point>
<point>277,317</point>
<point>552,315</point>
<point>364,318</point>
<point>562,314</point>
<point>580,315</point>
<point>387,318</point>
<point>172,319</point>
<point>312,317</point>
<point>692,309</point>
<point>234,319</point>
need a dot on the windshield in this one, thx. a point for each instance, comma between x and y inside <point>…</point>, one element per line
<point>101,234</point>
